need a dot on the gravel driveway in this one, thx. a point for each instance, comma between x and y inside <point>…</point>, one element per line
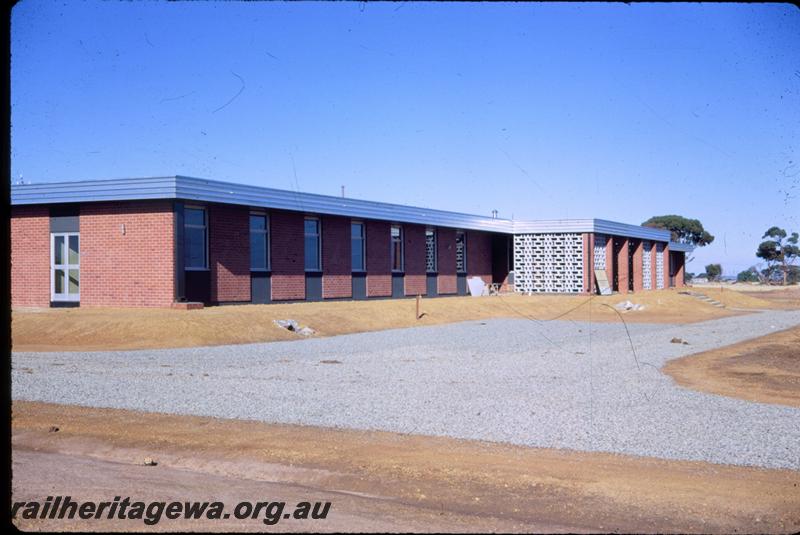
<point>560,384</point>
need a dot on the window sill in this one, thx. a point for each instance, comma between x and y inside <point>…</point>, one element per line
<point>260,270</point>
<point>195,269</point>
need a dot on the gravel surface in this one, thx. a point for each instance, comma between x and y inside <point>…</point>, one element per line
<point>559,384</point>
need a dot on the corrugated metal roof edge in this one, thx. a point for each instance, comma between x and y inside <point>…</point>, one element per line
<point>681,247</point>
<point>208,190</point>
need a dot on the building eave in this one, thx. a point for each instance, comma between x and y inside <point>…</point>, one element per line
<point>215,191</point>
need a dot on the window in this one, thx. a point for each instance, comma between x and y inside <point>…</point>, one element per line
<point>430,251</point>
<point>65,266</point>
<point>312,245</point>
<point>461,252</point>
<point>357,250</point>
<point>397,248</point>
<point>259,242</point>
<point>195,238</point>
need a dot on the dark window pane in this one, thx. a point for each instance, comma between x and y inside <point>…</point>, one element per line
<point>258,250</point>
<point>195,248</point>
<point>59,282</point>
<point>194,216</point>
<point>311,226</point>
<point>356,230</point>
<point>311,253</point>
<point>58,246</point>
<point>358,256</point>
<point>397,249</point>
<point>258,222</point>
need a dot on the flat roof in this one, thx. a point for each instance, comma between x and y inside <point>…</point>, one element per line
<point>205,190</point>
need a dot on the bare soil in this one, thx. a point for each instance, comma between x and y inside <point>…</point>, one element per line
<point>765,369</point>
<point>86,329</point>
<point>379,481</point>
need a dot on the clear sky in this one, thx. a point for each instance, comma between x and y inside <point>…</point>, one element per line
<point>540,111</point>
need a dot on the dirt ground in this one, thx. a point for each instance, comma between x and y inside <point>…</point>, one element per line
<point>765,369</point>
<point>380,481</point>
<point>103,328</point>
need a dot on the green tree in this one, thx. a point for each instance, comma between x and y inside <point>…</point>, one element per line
<point>779,251</point>
<point>748,275</point>
<point>684,230</point>
<point>713,272</point>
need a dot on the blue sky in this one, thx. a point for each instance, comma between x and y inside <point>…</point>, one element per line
<point>537,110</point>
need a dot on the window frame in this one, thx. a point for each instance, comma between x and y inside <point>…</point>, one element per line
<point>266,233</point>
<point>205,234</point>
<point>435,269</point>
<point>363,240</point>
<point>318,269</point>
<point>464,253</point>
<point>66,265</point>
<point>392,249</point>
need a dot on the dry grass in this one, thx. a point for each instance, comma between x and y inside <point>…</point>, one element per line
<point>108,328</point>
<point>767,297</point>
<point>765,369</point>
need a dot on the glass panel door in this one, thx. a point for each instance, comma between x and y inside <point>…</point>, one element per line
<point>65,266</point>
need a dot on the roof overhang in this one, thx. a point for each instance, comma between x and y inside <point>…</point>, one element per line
<point>681,247</point>
<point>215,191</point>
<point>596,226</point>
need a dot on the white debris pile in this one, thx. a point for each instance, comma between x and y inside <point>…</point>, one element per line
<point>292,325</point>
<point>627,305</point>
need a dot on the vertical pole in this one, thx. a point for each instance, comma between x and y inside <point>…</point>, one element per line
<point>418,298</point>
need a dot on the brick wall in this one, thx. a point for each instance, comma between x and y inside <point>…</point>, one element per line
<point>286,250</point>
<point>622,265</point>
<point>680,275</point>
<point>446,260</point>
<point>588,262</point>
<point>610,260</point>
<point>30,256</point>
<point>479,255</point>
<point>665,255</point>
<point>132,269</point>
<point>414,244</point>
<point>336,260</point>
<point>229,252</point>
<point>379,273</point>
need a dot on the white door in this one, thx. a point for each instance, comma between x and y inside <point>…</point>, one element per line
<point>65,266</point>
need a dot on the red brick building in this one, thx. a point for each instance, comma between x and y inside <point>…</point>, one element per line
<point>152,242</point>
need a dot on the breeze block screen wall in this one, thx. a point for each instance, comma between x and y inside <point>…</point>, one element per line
<point>548,263</point>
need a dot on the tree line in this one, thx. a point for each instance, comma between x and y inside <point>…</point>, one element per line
<point>779,250</point>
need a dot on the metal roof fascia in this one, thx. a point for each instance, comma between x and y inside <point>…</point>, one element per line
<point>93,191</point>
<point>598,226</point>
<point>197,189</point>
<point>681,247</point>
<point>553,225</point>
<point>603,226</point>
